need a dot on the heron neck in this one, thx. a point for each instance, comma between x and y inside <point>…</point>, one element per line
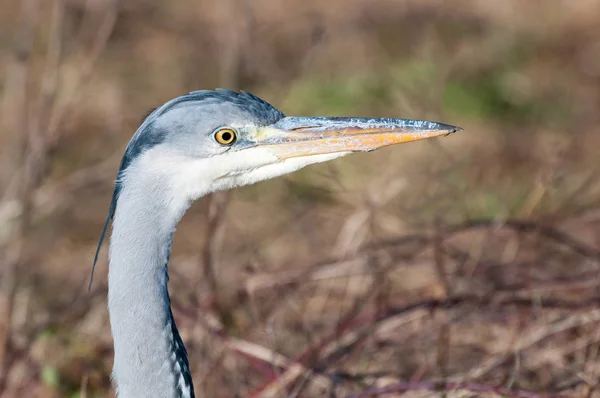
<point>150,358</point>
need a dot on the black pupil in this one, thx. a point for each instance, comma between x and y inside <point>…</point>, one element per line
<point>226,136</point>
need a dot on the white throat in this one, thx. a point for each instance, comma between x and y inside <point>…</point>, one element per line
<point>156,190</point>
<point>150,360</point>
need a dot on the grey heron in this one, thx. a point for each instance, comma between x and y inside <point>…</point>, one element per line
<point>199,143</point>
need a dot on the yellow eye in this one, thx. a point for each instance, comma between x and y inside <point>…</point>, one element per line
<point>225,136</point>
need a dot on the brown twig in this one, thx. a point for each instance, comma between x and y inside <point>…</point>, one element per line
<point>39,136</point>
<point>217,211</point>
<point>450,386</point>
<point>15,108</point>
<point>530,227</point>
<point>54,195</point>
<point>438,259</point>
<point>89,59</point>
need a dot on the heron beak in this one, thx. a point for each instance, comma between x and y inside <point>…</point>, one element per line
<point>305,136</point>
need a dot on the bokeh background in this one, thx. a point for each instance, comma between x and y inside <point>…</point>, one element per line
<point>463,266</point>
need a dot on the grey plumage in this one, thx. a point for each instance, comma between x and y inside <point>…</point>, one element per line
<point>149,135</point>
<point>176,156</point>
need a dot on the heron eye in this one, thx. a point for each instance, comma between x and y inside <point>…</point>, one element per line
<point>225,136</point>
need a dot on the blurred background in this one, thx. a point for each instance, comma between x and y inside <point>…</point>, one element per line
<point>463,266</point>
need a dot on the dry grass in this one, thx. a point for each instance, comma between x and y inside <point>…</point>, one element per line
<point>461,267</point>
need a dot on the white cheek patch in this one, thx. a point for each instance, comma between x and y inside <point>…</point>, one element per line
<point>282,167</point>
<point>232,164</point>
<point>184,179</point>
<point>199,177</point>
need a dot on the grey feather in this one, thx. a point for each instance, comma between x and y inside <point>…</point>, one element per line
<point>149,135</point>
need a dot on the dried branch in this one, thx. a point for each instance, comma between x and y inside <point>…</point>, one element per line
<point>39,139</point>
<point>452,386</point>
<point>56,195</point>
<point>294,369</point>
<point>217,211</point>
<point>88,60</point>
<point>417,242</point>
<point>332,349</point>
<point>16,95</point>
<point>438,259</point>
<point>549,232</point>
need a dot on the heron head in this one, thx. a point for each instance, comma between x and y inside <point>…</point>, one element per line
<point>213,140</point>
<point>207,141</point>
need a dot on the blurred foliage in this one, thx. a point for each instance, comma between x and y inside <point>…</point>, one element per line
<point>523,79</point>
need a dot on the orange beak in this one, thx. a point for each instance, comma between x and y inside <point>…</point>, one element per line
<point>305,136</point>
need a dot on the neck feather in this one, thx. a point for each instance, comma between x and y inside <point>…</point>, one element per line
<point>150,358</point>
